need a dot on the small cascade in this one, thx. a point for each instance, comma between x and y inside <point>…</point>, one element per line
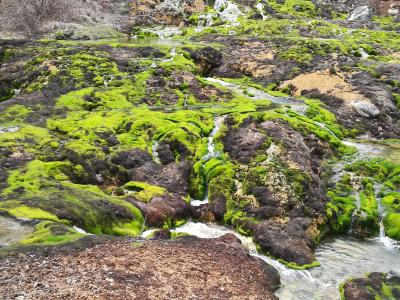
<point>212,153</point>
<point>323,126</point>
<point>364,55</point>
<point>17,92</point>
<point>172,53</point>
<point>204,22</point>
<point>228,11</point>
<point>80,230</point>
<point>107,82</point>
<point>211,144</point>
<point>8,129</point>
<point>154,148</point>
<point>355,182</point>
<point>185,101</point>
<point>260,8</point>
<point>164,33</point>
<point>386,241</point>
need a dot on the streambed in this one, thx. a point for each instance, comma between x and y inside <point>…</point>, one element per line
<point>341,258</point>
<point>12,231</point>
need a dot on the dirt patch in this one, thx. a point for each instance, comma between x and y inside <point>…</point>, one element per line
<point>325,83</point>
<point>188,268</point>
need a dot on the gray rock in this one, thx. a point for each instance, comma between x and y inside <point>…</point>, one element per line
<point>366,109</point>
<point>361,13</point>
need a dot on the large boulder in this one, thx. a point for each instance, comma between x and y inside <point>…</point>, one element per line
<point>174,176</point>
<point>161,209</point>
<point>288,241</point>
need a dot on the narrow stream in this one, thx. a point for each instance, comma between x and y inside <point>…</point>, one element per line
<point>257,94</point>
<point>212,153</point>
<point>341,258</point>
<point>12,231</point>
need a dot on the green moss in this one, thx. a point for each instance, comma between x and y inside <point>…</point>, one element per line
<point>50,233</point>
<point>341,290</point>
<point>392,225</point>
<point>294,7</point>
<point>144,191</point>
<point>44,191</point>
<point>397,99</point>
<point>295,266</point>
<point>14,115</point>
<point>16,209</point>
<point>29,136</point>
<point>96,65</point>
<point>342,205</point>
<point>307,125</point>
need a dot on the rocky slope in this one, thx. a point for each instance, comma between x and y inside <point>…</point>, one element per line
<point>248,109</point>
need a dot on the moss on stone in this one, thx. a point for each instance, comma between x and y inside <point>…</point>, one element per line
<point>44,191</point>
<point>16,209</point>
<point>14,115</point>
<point>293,265</point>
<point>144,191</point>
<point>50,233</point>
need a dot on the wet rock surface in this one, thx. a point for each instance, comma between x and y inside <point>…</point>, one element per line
<point>285,230</point>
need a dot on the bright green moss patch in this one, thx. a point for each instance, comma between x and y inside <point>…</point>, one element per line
<point>392,225</point>
<point>14,115</point>
<point>50,233</point>
<point>44,191</point>
<point>74,99</point>
<point>16,209</point>
<point>96,65</point>
<point>28,136</point>
<point>296,266</point>
<point>143,191</point>
<point>397,99</point>
<point>304,8</point>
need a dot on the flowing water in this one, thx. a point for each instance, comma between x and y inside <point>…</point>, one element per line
<point>172,54</point>
<point>258,94</point>
<point>156,157</point>
<point>228,11</point>
<point>212,153</point>
<point>12,231</point>
<point>260,8</point>
<point>385,241</point>
<point>8,129</point>
<point>370,148</point>
<point>204,22</point>
<point>341,258</point>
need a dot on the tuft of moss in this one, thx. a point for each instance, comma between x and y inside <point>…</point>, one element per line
<point>144,191</point>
